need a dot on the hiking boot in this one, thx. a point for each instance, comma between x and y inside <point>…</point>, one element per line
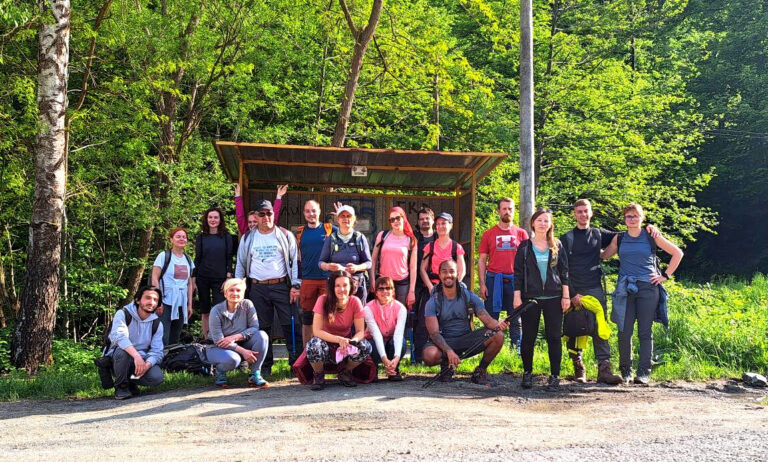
<point>221,379</point>
<point>626,376</point>
<point>527,381</point>
<point>579,371</point>
<point>605,374</point>
<point>553,383</point>
<point>345,378</point>
<point>446,375</point>
<point>480,377</point>
<point>256,381</point>
<point>123,392</point>
<point>642,380</point>
<point>318,381</point>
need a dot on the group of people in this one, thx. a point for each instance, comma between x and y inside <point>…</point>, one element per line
<point>415,279</point>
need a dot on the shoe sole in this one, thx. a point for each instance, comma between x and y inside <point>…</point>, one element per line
<point>254,385</point>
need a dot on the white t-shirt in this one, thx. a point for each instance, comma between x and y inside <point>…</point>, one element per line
<point>267,260</point>
<point>175,281</point>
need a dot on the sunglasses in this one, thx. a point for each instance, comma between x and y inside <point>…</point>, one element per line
<point>631,217</point>
<point>394,219</point>
<point>265,214</point>
<point>382,289</point>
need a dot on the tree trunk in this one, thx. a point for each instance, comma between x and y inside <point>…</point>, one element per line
<point>527,189</point>
<point>33,336</point>
<point>362,39</point>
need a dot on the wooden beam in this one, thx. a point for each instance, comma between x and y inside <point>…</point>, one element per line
<point>387,196</point>
<point>370,167</point>
<point>331,149</point>
<point>473,193</point>
<point>356,186</point>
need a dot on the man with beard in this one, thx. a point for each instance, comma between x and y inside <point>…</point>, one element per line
<point>137,344</point>
<point>425,233</point>
<point>448,323</point>
<point>496,266</point>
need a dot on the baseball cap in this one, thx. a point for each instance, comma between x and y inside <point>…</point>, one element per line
<point>263,205</point>
<point>346,208</point>
<point>445,216</point>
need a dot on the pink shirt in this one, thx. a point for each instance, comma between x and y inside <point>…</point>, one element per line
<point>342,321</point>
<point>393,257</point>
<point>441,254</point>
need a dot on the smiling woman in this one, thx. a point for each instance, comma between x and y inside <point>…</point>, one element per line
<point>173,273</point>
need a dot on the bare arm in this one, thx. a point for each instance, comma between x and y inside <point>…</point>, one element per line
<point>611,250</point>
<point>412,265</point>
<point>481,268</point>
<point>423,274</point>
<point>672,249</point>
<point>433,329</point>
<point>375,257</point>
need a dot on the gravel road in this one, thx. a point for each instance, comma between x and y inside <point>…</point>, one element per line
<point>671,421</point>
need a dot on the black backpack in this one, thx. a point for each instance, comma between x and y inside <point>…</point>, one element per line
<point>428,257</point>
<point>186,357</point>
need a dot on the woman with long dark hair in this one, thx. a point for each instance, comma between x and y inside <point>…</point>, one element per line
<point>394,256</point>
<point>335,314</point>
<point>541,273</point>
<point>214,249</point>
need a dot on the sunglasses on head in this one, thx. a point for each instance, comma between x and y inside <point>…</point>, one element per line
<point>394,219</point>
<point>265,214</point>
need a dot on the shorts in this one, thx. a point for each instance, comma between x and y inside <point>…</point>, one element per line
<point>464,343</point>
<point>310,291</point>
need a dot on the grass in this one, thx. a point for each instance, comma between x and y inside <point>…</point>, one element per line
<point>716,330</point>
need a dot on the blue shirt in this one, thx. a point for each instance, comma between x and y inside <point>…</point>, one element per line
<point>542,260</point>
<point>312,240</point>
<point>636,258</point>
<point>454,315</point>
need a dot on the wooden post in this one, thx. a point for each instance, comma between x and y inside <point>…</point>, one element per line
<point>527,190</point>
<point>471,269</point>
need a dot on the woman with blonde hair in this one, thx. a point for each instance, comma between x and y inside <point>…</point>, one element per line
<point>639,289</point>
<point>541,273</point>
<point>234,329</point>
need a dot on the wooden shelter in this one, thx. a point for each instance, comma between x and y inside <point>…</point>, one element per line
<point>443,181</point>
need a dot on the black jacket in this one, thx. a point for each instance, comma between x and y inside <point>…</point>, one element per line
<point>528,278</point>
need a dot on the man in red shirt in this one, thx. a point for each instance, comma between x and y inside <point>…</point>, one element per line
<point>495,265</point>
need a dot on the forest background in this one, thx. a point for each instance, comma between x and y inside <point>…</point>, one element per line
<point>661,102</point>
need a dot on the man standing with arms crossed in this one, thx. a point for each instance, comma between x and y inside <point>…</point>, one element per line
<point>584,245</point>
<point>495,266</point>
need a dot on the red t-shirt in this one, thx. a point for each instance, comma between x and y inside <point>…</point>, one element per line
<point>342,321</point>
<point>501,246</point>
<point>441,254</point>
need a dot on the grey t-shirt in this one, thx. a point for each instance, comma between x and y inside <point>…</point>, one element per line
<point>453,315</point>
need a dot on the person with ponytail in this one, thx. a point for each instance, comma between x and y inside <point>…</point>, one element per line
<point>541,273</point>
<point>394,256</point>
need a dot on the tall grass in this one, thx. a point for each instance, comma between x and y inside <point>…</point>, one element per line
<point>716,330</point>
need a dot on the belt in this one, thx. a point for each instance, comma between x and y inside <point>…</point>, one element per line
<point>269,281</point>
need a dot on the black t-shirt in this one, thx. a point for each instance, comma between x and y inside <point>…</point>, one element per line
<point>584,259</point>
<point>421,244</point>
<point>211,257</point>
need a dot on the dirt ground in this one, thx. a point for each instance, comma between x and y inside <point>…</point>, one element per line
<point>399,421</point>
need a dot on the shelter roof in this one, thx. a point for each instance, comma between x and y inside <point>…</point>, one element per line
<point>321,166</point>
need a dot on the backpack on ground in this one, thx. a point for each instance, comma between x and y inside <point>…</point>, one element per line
<point>181,357</point>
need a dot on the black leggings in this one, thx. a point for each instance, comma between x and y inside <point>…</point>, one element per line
<point>553,321</point>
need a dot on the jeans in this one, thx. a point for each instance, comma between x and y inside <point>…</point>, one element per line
<point>516,329</point>
<point>227,360</point>
<point>123,366</point>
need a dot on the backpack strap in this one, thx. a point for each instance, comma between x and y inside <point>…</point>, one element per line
<point>379,245</point>
<point>569,242</point>
<point>299,233</point>
<point>525,265</point>
<point>166,262</point>
<point>454,250</point>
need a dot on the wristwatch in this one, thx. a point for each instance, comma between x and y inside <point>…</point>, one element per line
<point>296,286</point>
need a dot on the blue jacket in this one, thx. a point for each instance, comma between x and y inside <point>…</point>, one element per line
<point>627,285</point>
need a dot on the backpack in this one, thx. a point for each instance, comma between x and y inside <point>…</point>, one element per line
<point>300,231</point>
<point>106,343</point>
<point>167,263</point>
<point>454,257</point>
<point>186,358</point>
<point>336,242</point>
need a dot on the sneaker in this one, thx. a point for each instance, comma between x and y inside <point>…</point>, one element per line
<point>345,379</point>
<point>134,389</point>
<point>642,380</point>
<point>579,371</point>
<point>626,376</point>
<point>255,380</point>
<point>480,377</point>
<point>123,393</point>
<point>221,379</point>
<point>605,374</point>
<point>318,381</point>
<point>395,378</point>
<point>553,383</point>
<point>527,381</point>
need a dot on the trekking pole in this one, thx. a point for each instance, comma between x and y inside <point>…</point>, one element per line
<point>490,333</point>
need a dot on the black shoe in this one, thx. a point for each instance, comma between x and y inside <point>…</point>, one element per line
<point>345,378</point>
<point>318,381</point>
<point>527,381</point>
<point>395,378</point>
<point>123,393</point>
<point>134,389</point>
<point>446,375</point>
<point>553,383</point>
<point>480,377</point>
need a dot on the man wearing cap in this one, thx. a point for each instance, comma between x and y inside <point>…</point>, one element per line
<point>496,263</point>
<point>441,249</point>
<point>266,258</point>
